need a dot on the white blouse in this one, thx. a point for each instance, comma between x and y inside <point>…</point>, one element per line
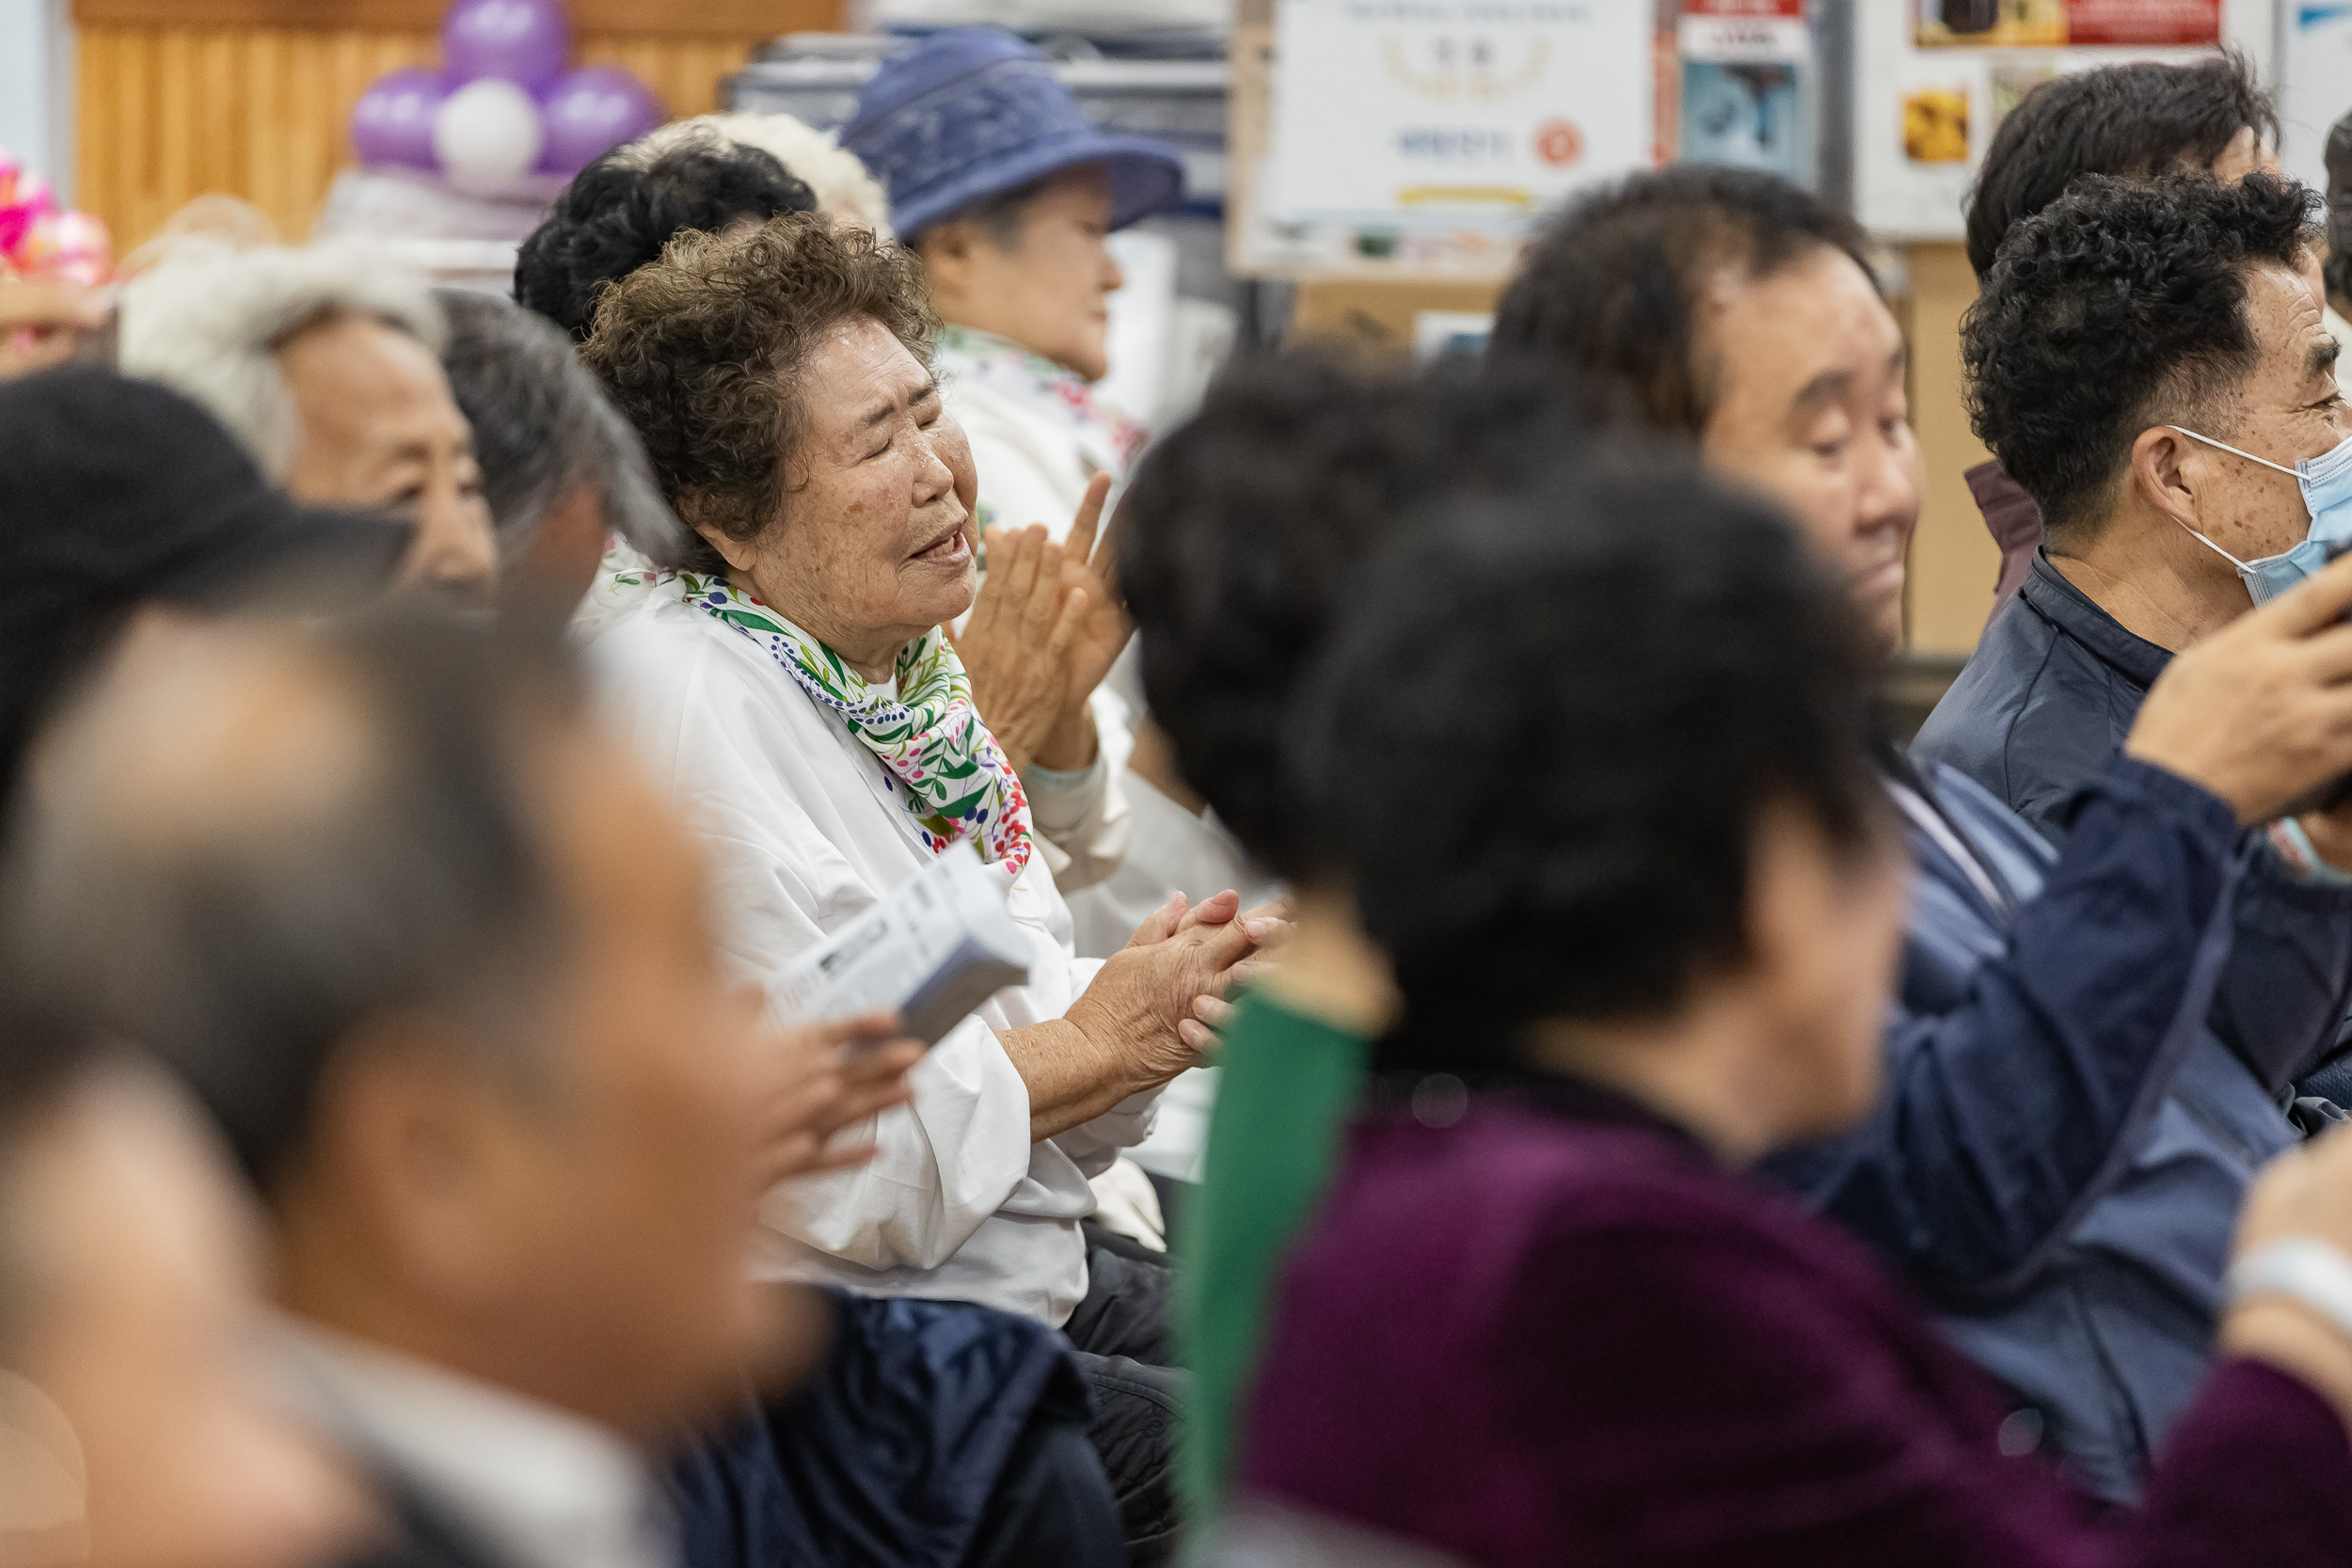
<point>802,836</point>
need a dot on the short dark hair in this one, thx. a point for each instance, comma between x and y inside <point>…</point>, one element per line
<point>702,350</point>
<point>618,213</point>
<point>541,424</point>
<point>1613,286</point>
<point>2133,121</point>
<point>2120,306</point>
<point>248,946</point>
<point>1539,742</point>
<point>1241,534</point>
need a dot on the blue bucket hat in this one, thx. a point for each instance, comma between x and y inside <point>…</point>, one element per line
<point>972,112</point>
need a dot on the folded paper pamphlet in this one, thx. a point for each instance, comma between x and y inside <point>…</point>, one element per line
<point>933,948</point>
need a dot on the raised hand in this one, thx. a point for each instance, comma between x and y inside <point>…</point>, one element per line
<point>1088,575</point>
<point>1016,647</point>
<point>2261,712</point>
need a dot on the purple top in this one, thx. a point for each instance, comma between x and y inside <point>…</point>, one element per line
<point>1557,1332</point>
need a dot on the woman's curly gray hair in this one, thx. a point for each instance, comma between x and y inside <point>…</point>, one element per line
<point>703,351</point>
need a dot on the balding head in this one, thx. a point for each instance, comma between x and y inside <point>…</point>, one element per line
<point>435,954</point>
<point>250,841</point>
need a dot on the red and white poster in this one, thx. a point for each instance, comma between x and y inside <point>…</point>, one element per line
<point>2062,24</point>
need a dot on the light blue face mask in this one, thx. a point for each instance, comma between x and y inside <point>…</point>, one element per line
<point>2325,482</point>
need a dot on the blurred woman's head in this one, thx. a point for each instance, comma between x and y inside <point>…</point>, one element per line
<point>1033,266</point>
<point>1594,759</point>
<point>1007,188</point>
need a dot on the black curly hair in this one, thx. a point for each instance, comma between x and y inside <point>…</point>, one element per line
<point>1242,531</point>
<point>618,213</point>
<point>1539,741</point>
<point>2120,306</point>
<point>1613,286</point>
<point>2135,120</point>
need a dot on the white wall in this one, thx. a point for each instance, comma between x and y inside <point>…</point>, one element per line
<point>36,87</point>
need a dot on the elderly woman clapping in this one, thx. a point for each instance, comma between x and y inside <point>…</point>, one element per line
<point>790,675</point>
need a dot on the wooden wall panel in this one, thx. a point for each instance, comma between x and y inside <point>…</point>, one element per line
<point>166,114</point>
<point>1954,562</point>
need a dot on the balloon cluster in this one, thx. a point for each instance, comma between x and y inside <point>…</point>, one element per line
<point>502,105</point>
<point>38,239</point>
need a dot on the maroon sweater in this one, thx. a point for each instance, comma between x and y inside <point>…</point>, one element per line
<point>1556,1332</point>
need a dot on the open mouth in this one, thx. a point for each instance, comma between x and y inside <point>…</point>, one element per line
<point>950,548</point>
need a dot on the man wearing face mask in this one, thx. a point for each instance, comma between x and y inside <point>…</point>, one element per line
<point>2149,362</point>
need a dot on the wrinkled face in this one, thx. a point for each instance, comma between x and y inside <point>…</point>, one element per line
<point>876,544</point>
<point>1049,291</point>
<point>143,1269</point>
<point>626,1200</point>
<point>381,431</point>
<point>2286,408</point>
<point>1810,411</point>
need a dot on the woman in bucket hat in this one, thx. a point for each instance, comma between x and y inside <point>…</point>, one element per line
<point>1007,191</point>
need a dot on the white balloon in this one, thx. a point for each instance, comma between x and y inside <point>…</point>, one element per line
<point>487,134</point>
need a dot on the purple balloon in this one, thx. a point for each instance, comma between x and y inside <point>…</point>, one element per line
<point>522,40</point>
<point>394,123</point>
<point>591,111</point>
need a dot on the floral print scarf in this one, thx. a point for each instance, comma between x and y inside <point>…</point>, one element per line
<point>933,749</point>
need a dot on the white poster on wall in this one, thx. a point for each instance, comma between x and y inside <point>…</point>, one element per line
<point>2317,89</point>
<point>1455,113</point>
<point>1924,111</point>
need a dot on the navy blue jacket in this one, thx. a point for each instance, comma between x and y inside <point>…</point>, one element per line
<point>2058,1161</point>
<point>2047,698</point>
<point>2115,1308</point>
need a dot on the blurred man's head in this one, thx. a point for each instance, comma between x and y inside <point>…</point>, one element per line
<point>137,1430</point>
<point>561,468</point>
<point>322,361</point>
<point>2135,120</point>
<point>2128,313</point>
<point>1732,307</point>
<point>362,889</point>
<point>1243,532</point>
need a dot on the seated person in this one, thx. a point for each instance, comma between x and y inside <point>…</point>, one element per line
<point>2136,120</point>
<point>618,213</point>
<point>2067,1138</point>
<point>324,361</point>
<point>1004,188</point>
<point>616,217</point>
<point>2149,362</point>
<point>2134,344</point>
<point>1622,994</point>
<point>1241,535</point>
<point>138,1430</point>
<point>789,681</point>
<point>510,1122</point>
<point>561,470</point>
<point>2019,1086</point>
<point>506,1117</point>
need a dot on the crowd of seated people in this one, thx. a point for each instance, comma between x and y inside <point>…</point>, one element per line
<point>1664,1120</point>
